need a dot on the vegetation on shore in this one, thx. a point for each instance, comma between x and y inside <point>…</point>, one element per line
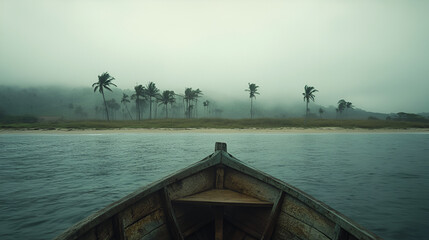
<point>260,123</point>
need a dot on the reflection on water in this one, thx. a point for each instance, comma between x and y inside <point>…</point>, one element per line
<point>49,182</point>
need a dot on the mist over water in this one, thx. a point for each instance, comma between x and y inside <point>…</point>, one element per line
<point>51,181</point>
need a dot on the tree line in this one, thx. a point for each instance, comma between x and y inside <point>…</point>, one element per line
<point>151,94</point>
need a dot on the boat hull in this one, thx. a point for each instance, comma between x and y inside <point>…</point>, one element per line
<point>218,197</point>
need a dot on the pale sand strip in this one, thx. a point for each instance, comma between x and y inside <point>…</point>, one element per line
<point>216,130</point>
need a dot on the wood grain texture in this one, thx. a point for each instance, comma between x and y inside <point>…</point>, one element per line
<point>195,183</point>
<point>223,197</point>
<point>170,216</point>
<point>298,228</point>
<point>305,214</point>
<point>248,185</point>
<point>140,209</point>
<point>146,225</point>
<point>272,218</point>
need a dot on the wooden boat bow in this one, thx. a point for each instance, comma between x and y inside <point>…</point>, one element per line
<point>218,198</point>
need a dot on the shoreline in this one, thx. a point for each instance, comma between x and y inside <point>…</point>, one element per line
<point>291,130</point>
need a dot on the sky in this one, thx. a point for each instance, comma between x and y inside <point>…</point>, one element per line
<point>373,53</point>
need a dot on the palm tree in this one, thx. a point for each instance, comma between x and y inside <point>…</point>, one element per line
<point>140,91</point>
<point>151,92</point>
<point>104,82</point>
<point>172,99</point>
<point>206,104</point>
<point>124,101</point>
<point>197,93</point>
<point>253,89</point>
<point>308,94</point>
<point>342,104</point>
<point>188,98</point>
<point>165,98</point>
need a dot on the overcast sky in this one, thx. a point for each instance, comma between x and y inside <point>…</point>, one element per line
<point>373,53</point>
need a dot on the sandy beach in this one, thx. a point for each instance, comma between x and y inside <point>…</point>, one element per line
<point>213,130</point>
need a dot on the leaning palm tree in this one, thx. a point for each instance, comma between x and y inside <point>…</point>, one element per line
<point>308,94</point>
<point>197,93</point>
<point>124,101</point>
<point>188,98</point>
<point>253,90</point>
<point>342,104</point>
<point>165,98</point>
<point>151,92</point>
<point>139,92</point>
<point>104,82</point>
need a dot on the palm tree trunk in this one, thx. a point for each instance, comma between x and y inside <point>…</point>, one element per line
<point>196,108</point>
<point>306,109</point>
<point>166,110</point>
<point>251,108</point>
<point>150,107</point>
<point>105,106</point>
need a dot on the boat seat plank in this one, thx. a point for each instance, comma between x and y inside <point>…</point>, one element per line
<point>223,197</point>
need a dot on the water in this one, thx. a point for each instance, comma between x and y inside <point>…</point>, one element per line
<point>50,181</point>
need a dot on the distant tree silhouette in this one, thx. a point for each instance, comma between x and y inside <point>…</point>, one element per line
<point>321,111</point>
<point>167,97</point>
<point>114,106</point>
<point>206,105</point>
<point>308,95</point>
<point>188,99</point>
<point>104,82</point>
<point>138,96</point>
<point>151,92</point>
<point>197,94</point>
<point>253,90</point>
<point>344,105</point>
<point>124,101</point>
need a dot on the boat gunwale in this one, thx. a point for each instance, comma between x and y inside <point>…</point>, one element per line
<point>338,218</point>
<point>223,158</point>
<point>116,207</point>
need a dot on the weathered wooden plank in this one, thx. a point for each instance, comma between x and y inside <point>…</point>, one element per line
<point>302,212</point>
<point>249,185</point>
<point>118,227</point>
<point>158,233</point>
<point>282,234</point>
<point>218,223</point>
<point>171,218</point>
<point>219,177</point>
<point>90,235</point>
<point>195,183</point>
<point>140,209</point>
<point>299,228</point>
<point>145,225</point>
<point>220,146</point>
<point>272,219</point>
<point>223,197</point>
<point>104,231</point>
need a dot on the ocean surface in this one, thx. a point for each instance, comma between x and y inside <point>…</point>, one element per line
<point>50,181</point>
